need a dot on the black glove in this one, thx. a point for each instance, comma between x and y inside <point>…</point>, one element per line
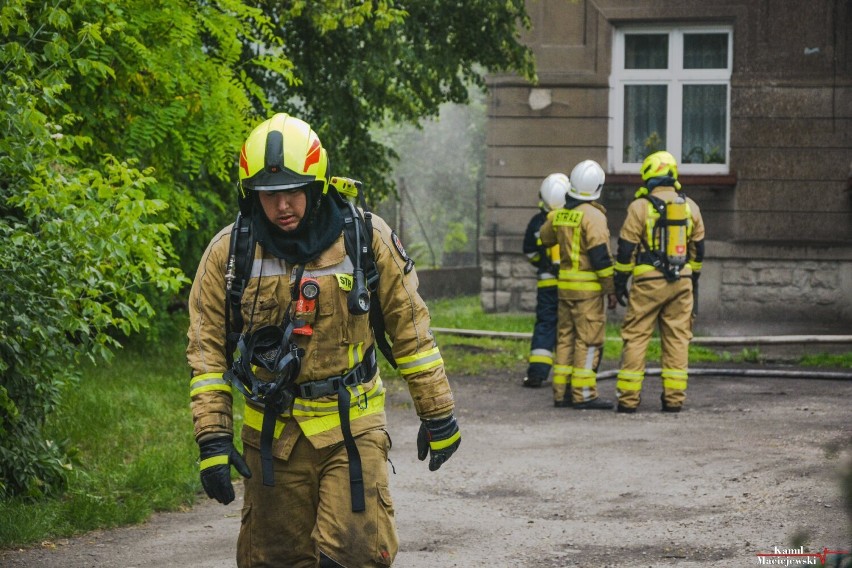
<point>441,436</point>
<point>217,457</point>
<point>620,279</point>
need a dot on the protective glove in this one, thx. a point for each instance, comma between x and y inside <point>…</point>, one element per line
<point>217,457</point>
<point>441,436</point>
<point>620,279</point>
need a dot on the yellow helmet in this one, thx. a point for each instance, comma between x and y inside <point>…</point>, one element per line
<point>659,164</point>
<point>281,154</point>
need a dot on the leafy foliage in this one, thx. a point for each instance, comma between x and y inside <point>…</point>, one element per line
<point>120,126</point>
<point>362,64</point>
<point>86,234</point>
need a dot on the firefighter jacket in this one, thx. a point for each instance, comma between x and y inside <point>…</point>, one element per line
<point>636,237</point>
<point>339,342</point>
<point>586,267</point>
<point>545,259</point>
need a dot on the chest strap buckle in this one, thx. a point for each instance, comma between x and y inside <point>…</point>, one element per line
<point>361,373</point>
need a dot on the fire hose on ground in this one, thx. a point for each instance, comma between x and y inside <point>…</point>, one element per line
<point>773,373</point>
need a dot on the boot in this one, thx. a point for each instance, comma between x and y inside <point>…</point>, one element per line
<point>594,404</point>
<point>625,410</point>
<point>532,382</point>
<point>566,403</point>
<point>667,407</point>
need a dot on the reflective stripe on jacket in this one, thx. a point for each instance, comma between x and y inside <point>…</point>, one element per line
<point>338,342</point>
<point>639,226</point>
<point>545,259</point>
<point>576,231</point>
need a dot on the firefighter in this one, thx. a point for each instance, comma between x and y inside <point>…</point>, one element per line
<point>551,196</point>
<point>585,277</point>
<point>314,435</point>
<point>661,245</point>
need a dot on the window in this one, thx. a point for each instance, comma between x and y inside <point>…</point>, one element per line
<point>671,91</point>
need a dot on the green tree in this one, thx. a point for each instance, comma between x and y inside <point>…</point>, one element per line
<point>120,125</point>
<point>365,64</point>
<point>93,105</point>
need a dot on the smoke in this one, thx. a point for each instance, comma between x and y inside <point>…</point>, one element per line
<point>439,178</point>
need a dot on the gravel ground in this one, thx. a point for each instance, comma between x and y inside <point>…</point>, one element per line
<point>750,467</point>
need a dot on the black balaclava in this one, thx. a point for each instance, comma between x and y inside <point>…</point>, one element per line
<point>572,202</point>
<point>668,181</point>
<point>317,231</point>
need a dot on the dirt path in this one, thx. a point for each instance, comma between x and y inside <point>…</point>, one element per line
<point>742,471</point>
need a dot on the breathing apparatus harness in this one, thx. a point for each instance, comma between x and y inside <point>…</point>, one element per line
<point>667,251</point>
<point>272,347</point>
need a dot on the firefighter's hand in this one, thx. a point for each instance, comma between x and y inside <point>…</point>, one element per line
<point>440,438</point>
<point>611,301</point>
<point>217,457</point>
<point>621,279</point>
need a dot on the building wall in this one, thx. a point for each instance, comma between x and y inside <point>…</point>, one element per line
<point>789,190</point>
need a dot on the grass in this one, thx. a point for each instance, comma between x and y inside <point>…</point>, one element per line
<point>466,313</point>
<point>131,426</point>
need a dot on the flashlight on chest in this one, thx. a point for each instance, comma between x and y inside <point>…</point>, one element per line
<point>306,305</point>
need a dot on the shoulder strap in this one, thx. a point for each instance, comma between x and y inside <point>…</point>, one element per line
<point>360,228</point>
<point>377,318</point>
<point>240,260</point>
<point>658,204</point>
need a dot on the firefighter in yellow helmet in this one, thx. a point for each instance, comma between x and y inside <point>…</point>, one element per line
<point>551,196</point>
<point>661,245</point>
<point>314,434</point>
<point>585,278</point>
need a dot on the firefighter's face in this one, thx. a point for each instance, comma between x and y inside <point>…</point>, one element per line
<point>284,209</point>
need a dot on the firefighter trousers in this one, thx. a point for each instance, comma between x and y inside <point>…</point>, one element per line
<point>656,302</point>
<point>579,341</point>
<point>309,509</point>
<point>544,334</point>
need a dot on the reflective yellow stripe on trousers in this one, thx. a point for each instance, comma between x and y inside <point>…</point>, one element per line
<point>561,374</point>
<point>674,379</point>
<point>630,380</point>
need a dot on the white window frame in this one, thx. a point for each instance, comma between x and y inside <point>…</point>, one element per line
<point>674,77</point>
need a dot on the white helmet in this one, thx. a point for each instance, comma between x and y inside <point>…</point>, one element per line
<point>552,191</point>
<point>587,179</point>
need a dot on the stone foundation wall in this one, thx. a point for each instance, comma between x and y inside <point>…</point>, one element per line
<point>743,285</point>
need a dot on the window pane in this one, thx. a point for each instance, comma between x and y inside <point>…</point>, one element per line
<point>646,51</point>
<point>644,120</point>
<point>704,124</point>
<point>705,51</point>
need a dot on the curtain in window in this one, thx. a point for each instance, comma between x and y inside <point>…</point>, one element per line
<point>704,124</point>
<point>705,51</point>
<point>646,51</point>
<point>644,120</point>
